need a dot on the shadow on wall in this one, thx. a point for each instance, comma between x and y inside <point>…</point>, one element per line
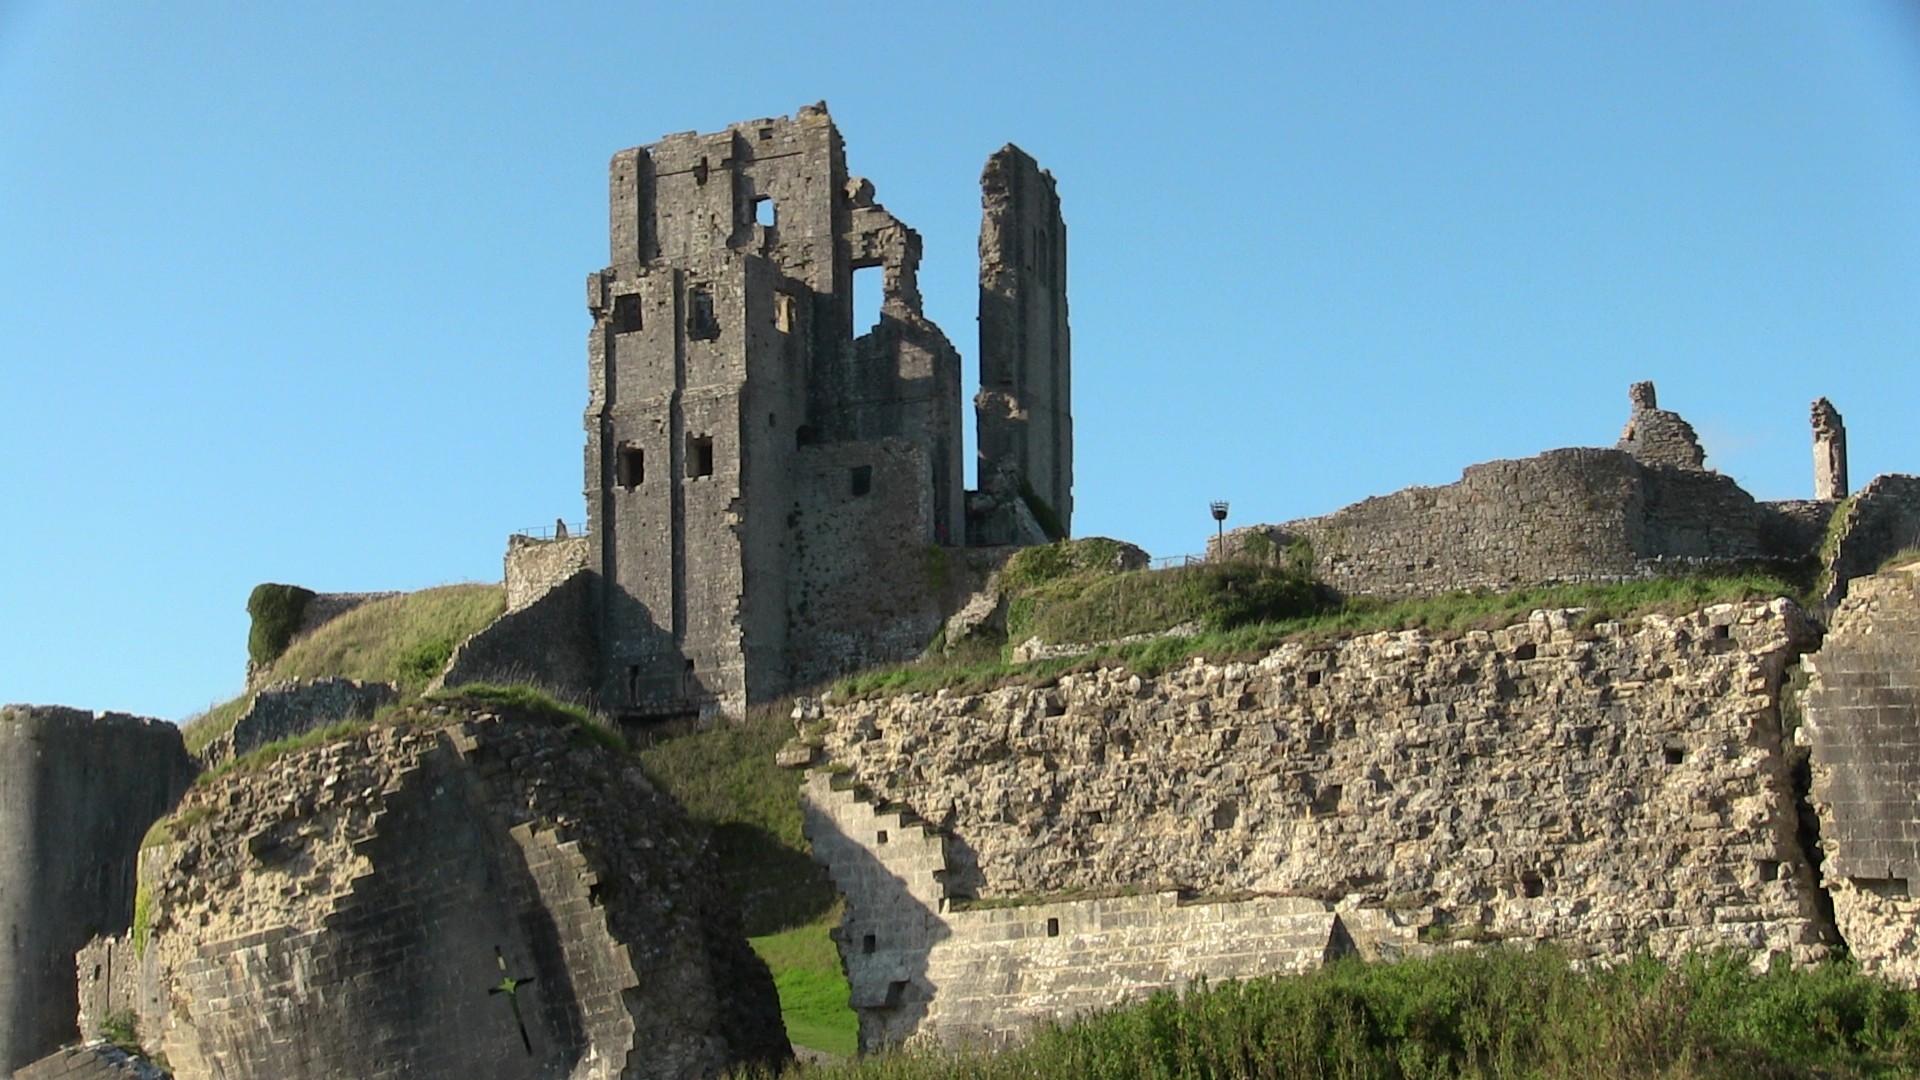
<point>890,870</point>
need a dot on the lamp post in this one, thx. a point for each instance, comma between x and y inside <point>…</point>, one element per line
<point>1219,507</point>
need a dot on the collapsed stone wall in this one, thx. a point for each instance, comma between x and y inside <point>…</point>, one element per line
<point>1609,787</point>
<point>1883,519</point>
<point>80,790</point>
<point>1862,727</point>
<point>547,642</point>
<point>476,895</point>
<point>292,707</point>
<point>535,567</point>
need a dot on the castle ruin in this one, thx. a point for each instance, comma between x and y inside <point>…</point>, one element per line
<point>772,489</point>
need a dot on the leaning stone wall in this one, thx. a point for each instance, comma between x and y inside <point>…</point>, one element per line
<point>1883,519</point>
<point>548,643</point>
<point>1609,788</point>
<point>292,707</point>
<point>1862,724</point>
<point>362,899</point>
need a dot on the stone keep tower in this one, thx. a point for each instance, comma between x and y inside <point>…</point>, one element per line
<point>765,488</point>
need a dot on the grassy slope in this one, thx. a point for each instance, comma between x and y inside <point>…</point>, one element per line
<point>1490,1012</point>
<point>727,779</point>
<point>404,639</point>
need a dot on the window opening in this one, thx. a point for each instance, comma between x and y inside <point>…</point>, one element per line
<point>868,293</point>
<point>699,455</point>
<point>700,173</point>
<point>765,213</point>
<point>633,684</point>
<point>701,323</point>
<point>633,466</point>
<point>880,837</point>
<point>868,944</point>
<point>626,313</point>
<point>783,312</point>
<point>861,477</point>
<point>1675,755</point>
<point>1053,927</point>
<point>802,436</point>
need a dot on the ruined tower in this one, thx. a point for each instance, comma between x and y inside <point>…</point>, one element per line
<point>767,483</point>
<point>1829,452</point>
<point>80,791</point>
<point>1024,404</point>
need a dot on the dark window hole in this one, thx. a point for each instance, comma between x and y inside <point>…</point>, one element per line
<point>699,455</point>
<point>633,466</point>
<point>860,477</point>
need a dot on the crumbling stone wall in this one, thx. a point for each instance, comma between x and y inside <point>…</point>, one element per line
<point>920,969</point>
<point>1655,436</point>
<point>371,921</point>
<point>1609,787</point>
<point>79,789</point>
<point>547,642</point>
<point>1874,525</point>
<point>1829,452</point>
<point>294,707</point>
<point>536,566</point>
<point>1862,709</point>
<point>1024,407</point>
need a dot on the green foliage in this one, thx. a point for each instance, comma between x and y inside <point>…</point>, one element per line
<point>276,611</point>
<point>812,986</point>
<point>262,756</point>
<point>532,703</point>
<point>727,779</point>
<point>121,1030</point>
<point>396,638</point>
<point>200,731</point>
<point>1237,605</point>
<point>1489,1012</point>
<point>142,918</point>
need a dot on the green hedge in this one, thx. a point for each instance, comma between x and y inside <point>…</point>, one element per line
<point>276,611</point>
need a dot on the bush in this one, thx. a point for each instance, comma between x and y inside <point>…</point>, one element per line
<point>276,611</point>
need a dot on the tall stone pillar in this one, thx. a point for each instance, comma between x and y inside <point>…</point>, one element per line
<point>1829,452</point>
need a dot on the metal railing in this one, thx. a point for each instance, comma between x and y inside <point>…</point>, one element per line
<point>559,530</point>
<point>1169,562</point>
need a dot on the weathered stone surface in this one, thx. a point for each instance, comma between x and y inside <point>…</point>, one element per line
<point>1862,723</point>
<point>78,790</point>
<point>1608,788</point>
<point>537,566</point>
<point>922,970</point>
<point>1024,407</point>
<point>773,490</point>
<point>294,707</point>
<point>547,642</point>
<point>1655,436</point>
<point>93,1061</point>
<point>1875,524</point>
<point>1829,452</point>
<point>346,911</point>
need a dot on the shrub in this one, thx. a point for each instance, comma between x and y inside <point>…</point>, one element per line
<point>276,611</point>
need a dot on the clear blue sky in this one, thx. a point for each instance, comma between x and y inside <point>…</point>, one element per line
<point>293,292</point>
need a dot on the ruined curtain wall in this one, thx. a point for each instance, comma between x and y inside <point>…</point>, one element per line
<point>1564,515</point>
<point>1606,788</point>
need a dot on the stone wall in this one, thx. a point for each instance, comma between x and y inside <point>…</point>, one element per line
<point>547,643</point>
<point>94,1061</point>
<point>1884,518</point>
<point>80,790</point>
<point>1609,787</point>
<point>1862,709</point>
<point>920,969</point>
<point>468,894</point>
<point>536,567</point>
<point>291,707</point>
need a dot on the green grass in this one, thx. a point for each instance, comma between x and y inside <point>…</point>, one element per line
<point>395,638</point>
<point>813,989</point>
<point>726,779</point>
<point>404,640</point>
<point>1446,615</point>
<point>537,704</point>
<point>1490,1012</point>
<point>264,755</point>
